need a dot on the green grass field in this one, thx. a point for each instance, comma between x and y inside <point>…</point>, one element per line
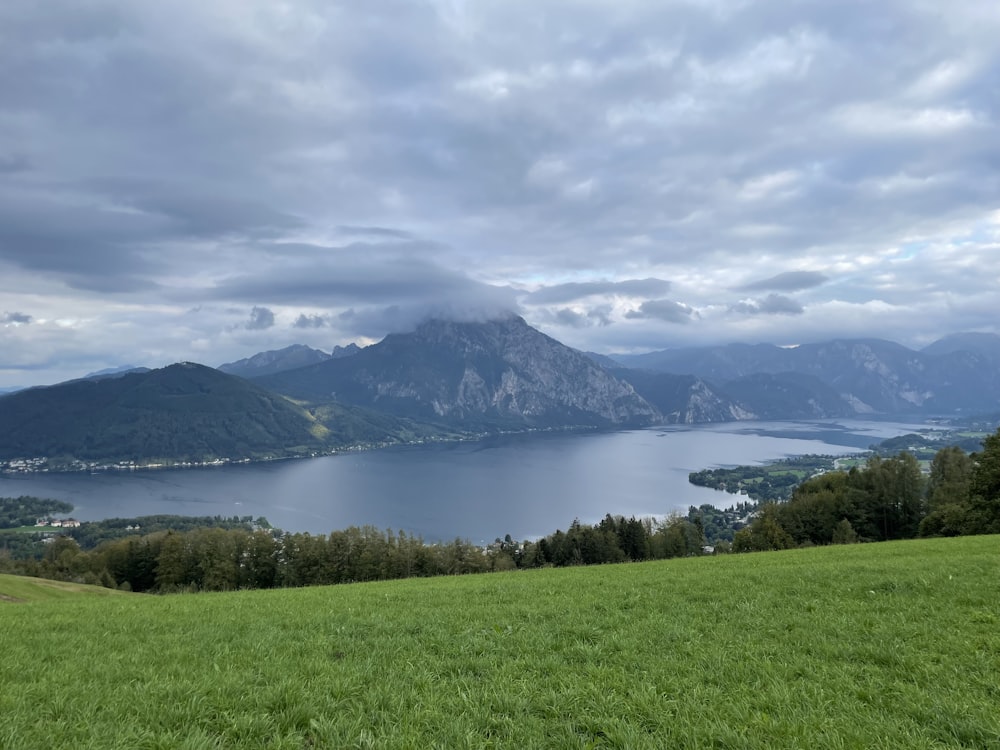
<point>893,645</point>
<point>22,589</point>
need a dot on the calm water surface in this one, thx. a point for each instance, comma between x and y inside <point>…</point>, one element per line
<point>526,485</point>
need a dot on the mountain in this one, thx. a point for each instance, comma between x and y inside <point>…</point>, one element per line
<point>496,374</point>
<point>270,362</point>
<point>683,399</point>
<point>716,363</point>
<point>787,395</point>
<point>339,352</point>
<point>114,372</point>
<point>182,412</point>
<point>985,344</point>
<point>957,374</point>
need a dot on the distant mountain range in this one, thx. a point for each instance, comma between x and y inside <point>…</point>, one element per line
<point>447,379</point>
<point>957,374</point>
<point>289,358</point>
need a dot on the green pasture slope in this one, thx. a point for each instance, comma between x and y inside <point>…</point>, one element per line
<point>893,645</point>
<point>21,589</point>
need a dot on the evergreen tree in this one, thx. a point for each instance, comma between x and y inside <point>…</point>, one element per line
<point>984,487</point>
<point>948,494</point>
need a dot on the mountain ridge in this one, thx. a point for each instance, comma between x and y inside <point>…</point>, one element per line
<point>500,373</point>
<point>185,412</point>
<point>957,374</point>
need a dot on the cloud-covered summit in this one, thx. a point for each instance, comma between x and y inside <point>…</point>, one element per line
<point>631,175</point>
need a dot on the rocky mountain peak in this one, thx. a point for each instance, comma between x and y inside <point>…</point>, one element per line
<point>499,371</point>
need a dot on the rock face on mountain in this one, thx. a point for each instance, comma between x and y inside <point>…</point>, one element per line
<point>787,395</point>
<point>960,373</point>
<point>279,360</point>
<point>496,373</point>
<point>683,399</point>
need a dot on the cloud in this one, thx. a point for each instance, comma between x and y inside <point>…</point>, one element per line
<point>16,318</point>
<point>571,318</point>
<point>663,309</point>
<point>790,281</point>
<point>404,159</point>
<point>13,163</point>
<point>310,321</point>
<point>362,272</point>
<point>569,292</point>
<point>772,304</point>
<point>261,318</point>
<point>375,232</point>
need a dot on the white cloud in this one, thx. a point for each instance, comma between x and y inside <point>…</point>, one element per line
<point>878,119</point>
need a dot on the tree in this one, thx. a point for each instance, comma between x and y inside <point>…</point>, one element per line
<point>171,571</point>
<point>984,487</point>
<point>950,476</point>
<point>896,495</point>
<point>948,494</point>
<point>816,507</point>
<point>844,533</point>
<point>765,533</point>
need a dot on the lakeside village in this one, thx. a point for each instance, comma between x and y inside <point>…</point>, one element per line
<point>44,465</point>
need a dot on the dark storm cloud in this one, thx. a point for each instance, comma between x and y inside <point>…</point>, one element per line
<point>772,304</point>
<point>663,309</point>
<point>261,318</point>
<point>790,281</point>
<point>16,318</point>
<point>569,292</point>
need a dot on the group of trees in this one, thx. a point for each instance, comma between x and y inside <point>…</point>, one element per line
<point>770,483</point>
<point>888,498</point>
<point>25,510</point>
<point>221,559</point>
<point>615,539</point>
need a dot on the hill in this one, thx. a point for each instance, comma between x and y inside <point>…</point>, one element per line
<point>184,412</point>
<point>888,645</point>
<point>21,589</point>
<point>498,373</point>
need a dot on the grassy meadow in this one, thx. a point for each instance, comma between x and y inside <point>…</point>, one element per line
<point>20,589</point>
<point>892,645</point>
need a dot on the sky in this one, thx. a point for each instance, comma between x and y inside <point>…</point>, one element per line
<point>204,180</point>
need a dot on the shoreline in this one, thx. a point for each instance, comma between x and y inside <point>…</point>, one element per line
<point>22,466</point>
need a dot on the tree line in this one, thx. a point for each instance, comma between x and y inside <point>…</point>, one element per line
<point>224,559</point>
<point>887,498</point>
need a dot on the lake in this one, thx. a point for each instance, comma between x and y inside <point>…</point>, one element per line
<point>523,485</point>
